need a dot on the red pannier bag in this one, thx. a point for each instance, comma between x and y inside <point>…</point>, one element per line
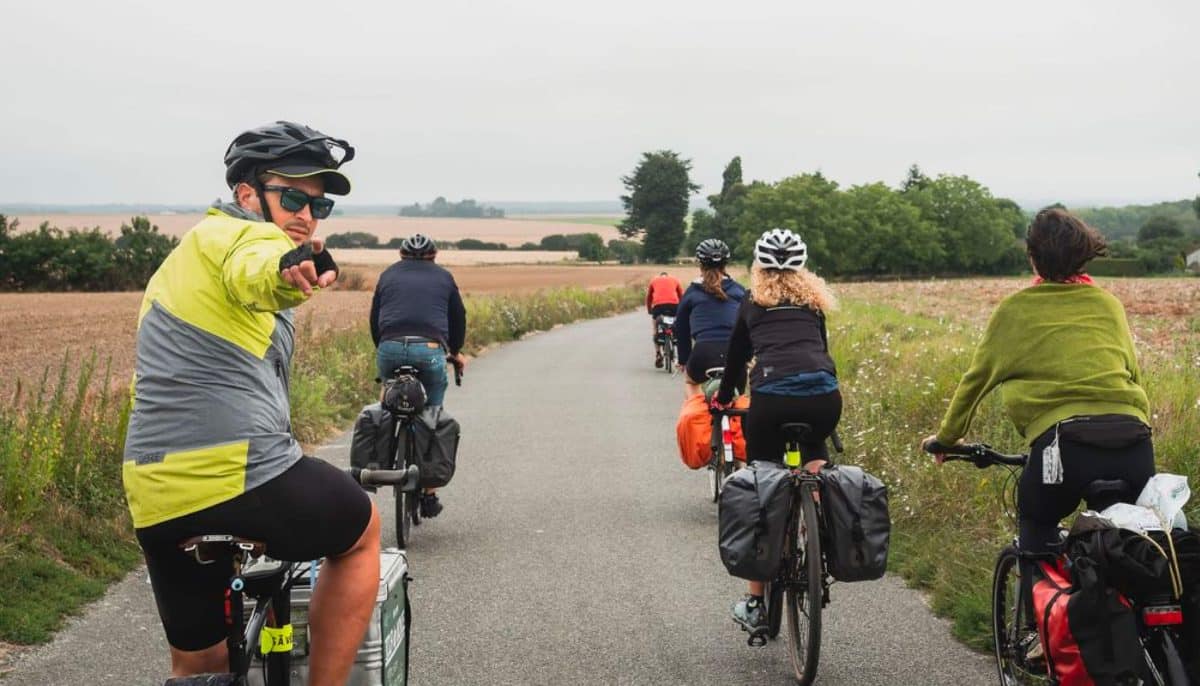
<point>693,431</point>
<point>1088,631</point>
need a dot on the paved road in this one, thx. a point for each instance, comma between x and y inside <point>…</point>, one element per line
<point>574,549</point>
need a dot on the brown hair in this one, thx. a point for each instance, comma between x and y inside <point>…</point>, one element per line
<point>1061,244</point>
<point>712,278</point>
<point>772,287</point>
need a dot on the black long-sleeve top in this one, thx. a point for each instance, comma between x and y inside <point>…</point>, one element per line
<point>418,298</point>
<point>784,340</point>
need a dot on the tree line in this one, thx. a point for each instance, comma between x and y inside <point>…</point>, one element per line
<point>440,207</point>
<point>590,246</point>
<point>50,259</point>
<point>950,224</point>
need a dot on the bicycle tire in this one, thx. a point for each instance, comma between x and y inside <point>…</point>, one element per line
<point>669,357</point>
<point>804,589</point>
<point>405,502</point>
<point>1007,620</point>
<point>716,470</point>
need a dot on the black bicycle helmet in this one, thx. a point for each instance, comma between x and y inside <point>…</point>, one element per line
<point>781,249</point>
<point>712,252</point>
<point>404,395</point>
<point>418,246</point>
<point>290,150</point>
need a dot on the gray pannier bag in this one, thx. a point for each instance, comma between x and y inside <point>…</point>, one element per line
<point>436,448</point>
<point>752,517</point>
<point>373,438</point>
<point>856,519</point>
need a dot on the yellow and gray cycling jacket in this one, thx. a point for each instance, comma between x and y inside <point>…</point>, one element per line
<point>210,417</point>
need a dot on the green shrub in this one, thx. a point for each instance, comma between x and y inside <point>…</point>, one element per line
<point>1112,266</point>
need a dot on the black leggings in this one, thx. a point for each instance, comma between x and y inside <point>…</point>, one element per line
<point>705,355</point>
<point>1042,506</point>
<point>764,439</point>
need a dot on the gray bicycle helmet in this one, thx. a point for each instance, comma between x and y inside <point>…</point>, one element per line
<point>290,150</point>
<point>418,246</point>
<point>780,249</point>
<point>712,252</point>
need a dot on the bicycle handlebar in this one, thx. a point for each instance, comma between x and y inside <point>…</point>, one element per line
<point>980,454</point>
<point>385,477</point>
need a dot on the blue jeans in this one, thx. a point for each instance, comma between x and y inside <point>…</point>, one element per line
<point>426,355</point>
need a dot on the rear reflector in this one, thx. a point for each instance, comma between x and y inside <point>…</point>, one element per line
<point>1162,615</point>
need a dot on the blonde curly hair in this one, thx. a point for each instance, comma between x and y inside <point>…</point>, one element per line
<point>772,287</point>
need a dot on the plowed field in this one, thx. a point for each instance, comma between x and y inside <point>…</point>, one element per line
<point>40,330</point>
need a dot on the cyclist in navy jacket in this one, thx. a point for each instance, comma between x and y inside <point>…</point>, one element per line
<point>706,313</point>
<point>418,319</point>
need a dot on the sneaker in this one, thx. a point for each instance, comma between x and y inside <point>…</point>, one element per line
<point>750,614</point>
<point>658,362</point>
<point>430,505</point>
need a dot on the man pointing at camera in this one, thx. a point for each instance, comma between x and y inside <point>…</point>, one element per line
<point>209,449</point>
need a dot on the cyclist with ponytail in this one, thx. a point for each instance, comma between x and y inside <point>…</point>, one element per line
<point>706,314</point>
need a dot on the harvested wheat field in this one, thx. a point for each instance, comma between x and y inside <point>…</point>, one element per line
<point>1164,314</point>
<point>41,330</point>
<point>513,232</point>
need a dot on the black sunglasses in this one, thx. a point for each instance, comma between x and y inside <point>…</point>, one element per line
<point>294,200</point>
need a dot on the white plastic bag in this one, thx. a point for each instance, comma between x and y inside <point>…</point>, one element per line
<point>1132,517</point>
<point>1166,494</point>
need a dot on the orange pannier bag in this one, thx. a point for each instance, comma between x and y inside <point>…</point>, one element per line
<point>693,431</point>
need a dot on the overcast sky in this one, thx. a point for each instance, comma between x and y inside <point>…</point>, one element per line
<point>1089,102</point>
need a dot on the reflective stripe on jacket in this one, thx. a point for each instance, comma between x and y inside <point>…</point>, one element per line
<point>210,416</point>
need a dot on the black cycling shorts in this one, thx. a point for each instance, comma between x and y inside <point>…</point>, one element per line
<point>704,356</point>
<point>766,441</point>
<point>312,510</point>
<point>667,309</point>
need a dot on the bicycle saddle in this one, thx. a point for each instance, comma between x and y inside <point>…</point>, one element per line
<point>796,431</point>
<point>208,547</point>
<point>404,370</point>
<point>1105,492</point>
<point>714,372</point>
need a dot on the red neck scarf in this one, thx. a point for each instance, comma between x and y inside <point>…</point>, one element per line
<point>1078,278</point>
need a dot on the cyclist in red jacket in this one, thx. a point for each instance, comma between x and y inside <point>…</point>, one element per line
<point>662,298</point>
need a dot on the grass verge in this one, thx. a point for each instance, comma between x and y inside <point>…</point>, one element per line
<point>65,533</point>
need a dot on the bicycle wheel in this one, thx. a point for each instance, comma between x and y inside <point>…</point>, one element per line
<point>716,471</point>
<point>1011,636</point>
<point>803,591</point>
<point>669,357</point>
<point>405,501</point>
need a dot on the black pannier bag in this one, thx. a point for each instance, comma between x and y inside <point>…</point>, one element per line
<point>436,448</point>
<point>1139,567</point>
<point>373,440</point>
<point>752,517</point>
<point>856,519</point>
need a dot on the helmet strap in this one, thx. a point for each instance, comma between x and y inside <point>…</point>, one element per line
<point>262,201</point>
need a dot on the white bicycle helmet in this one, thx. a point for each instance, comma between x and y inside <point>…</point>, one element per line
<point>781,249</point>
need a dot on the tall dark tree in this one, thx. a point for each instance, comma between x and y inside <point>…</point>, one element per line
<point>657,205</point>
<point>915,179</point>
<point>721,222</point>
<point>1159,226</point>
